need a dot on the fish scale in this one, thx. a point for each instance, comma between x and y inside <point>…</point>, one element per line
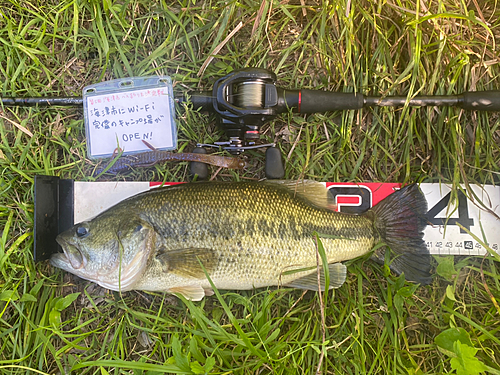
<point>246,235</point>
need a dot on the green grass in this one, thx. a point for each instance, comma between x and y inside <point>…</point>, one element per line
<point>374,324</point>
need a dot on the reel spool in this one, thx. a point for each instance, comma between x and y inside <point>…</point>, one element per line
<point>248,94</point>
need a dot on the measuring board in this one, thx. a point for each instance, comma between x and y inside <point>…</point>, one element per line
<point>449,215</point>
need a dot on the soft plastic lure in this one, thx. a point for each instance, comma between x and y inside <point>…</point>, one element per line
<point>150,158</point>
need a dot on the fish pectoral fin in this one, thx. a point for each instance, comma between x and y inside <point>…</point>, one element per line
<point>191,292</point>
<point>186,262</point>
<point>337,272</point>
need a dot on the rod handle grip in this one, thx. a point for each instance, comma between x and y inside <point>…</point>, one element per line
<point>312,101</point>
<point>199,100</point>
<point>481,100</point>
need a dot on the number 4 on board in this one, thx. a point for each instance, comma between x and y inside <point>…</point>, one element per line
<point>463,213</point>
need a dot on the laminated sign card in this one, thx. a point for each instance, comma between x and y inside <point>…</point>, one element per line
<point>129,114</point>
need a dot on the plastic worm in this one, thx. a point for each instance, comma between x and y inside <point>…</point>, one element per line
<point>147,159</point>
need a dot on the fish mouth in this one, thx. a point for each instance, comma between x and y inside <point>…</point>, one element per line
<point>71,259</point>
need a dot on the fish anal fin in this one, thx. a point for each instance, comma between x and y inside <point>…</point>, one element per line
<point>337,273</point>
<point>186,262</point>
<point>191,292</point>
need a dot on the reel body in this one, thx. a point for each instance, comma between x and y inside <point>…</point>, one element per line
<point>244,101</point>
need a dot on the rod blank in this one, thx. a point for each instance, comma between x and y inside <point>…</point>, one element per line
<point>73,101</point>
<point>419,101</point>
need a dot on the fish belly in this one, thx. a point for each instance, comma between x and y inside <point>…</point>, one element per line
<point>278,262</point>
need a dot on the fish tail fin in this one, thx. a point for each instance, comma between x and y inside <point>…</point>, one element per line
<point>398,219</point>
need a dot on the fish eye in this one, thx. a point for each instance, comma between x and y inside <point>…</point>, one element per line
<point>81,231</point>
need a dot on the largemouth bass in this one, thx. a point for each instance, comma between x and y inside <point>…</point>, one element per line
<point>245,234</point>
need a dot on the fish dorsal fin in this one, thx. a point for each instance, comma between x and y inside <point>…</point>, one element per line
<point>337,273</point>
<point>191,292</point>
<point>186,262</point>
<point>313,191</point>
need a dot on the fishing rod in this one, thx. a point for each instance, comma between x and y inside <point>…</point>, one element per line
<point>247,98</point>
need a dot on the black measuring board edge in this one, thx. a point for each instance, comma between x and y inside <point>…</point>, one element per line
<point>54,213</point>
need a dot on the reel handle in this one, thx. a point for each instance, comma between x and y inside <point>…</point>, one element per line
<point>197,168</point>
